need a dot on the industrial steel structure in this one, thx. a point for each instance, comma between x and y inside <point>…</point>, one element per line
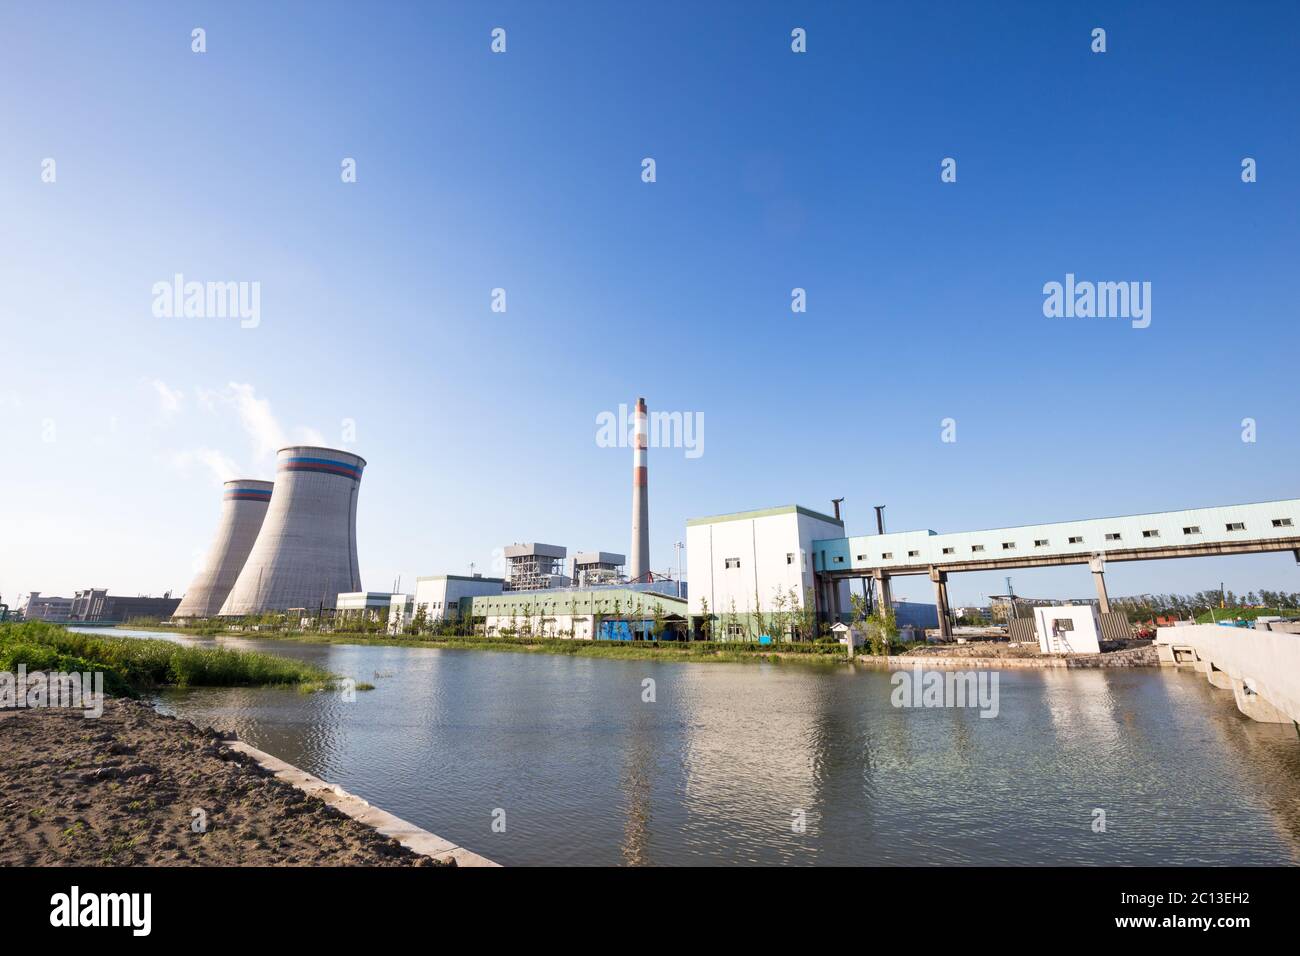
<point>597,567</point>
<point>306,552</point>
<point>243,508</point>
<point>1199,532</point>
<point>534,566</point>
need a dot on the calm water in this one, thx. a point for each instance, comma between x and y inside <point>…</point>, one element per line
<point>713,771</point>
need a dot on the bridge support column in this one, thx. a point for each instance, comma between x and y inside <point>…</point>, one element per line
<point>940,579</point>
<point>1098,565</point>
<point>883,591</point>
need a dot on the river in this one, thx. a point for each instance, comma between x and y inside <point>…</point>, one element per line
<point>777,763</point>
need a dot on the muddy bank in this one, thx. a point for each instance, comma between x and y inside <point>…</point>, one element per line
<point>121,790</point>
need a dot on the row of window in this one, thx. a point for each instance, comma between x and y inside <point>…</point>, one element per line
<point>735,562</point>
<point>1078,539</point>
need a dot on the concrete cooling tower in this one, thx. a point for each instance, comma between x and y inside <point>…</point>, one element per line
<point>243,506</point>
<point>306,552</point>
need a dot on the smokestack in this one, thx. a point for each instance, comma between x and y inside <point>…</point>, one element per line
<point>639,560</point>
<point>306,552</point>
<point>243,507</point>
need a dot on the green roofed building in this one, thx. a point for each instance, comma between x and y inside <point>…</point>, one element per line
<point>627,612</point>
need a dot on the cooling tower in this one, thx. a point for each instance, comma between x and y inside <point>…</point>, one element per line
<point>243,506</point>
<point>306,552</point>
<point>638,568</point>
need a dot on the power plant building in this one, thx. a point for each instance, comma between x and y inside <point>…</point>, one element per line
<point>758,562</point>
<point>97,606</point>
<point>597,567</point>
<point>535,567</point>
<point>440,595</point>
<point>40,607</point>
<point>622,612</point>
<point>305,554</point>
<point>243,508</point>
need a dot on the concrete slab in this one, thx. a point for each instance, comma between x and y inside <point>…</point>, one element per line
<point>408,834</point>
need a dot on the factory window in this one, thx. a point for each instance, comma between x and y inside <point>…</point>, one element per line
<point>1040,542</point>
<point>1281,522</point>
<point>949,550</point>
<point>1151,534</point>
<point>862,557</point>
<point>1236,526</point>
<point>733,562</point>
<point>914,554</point>
<point>977,547</point>
<point>789,557</point>
<point>1076,539</point>
<point>1112,536</point>
<point>839,559</point>
<point>887,556</point>
<point>1008,546</point>
<point>1192,529</point>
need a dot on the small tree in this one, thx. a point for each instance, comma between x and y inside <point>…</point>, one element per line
<point>805,615</point>
<point>706,620</point>
<point>882,630</point>
<point>659,620</point>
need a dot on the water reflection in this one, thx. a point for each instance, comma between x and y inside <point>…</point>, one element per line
<point>715,768</point>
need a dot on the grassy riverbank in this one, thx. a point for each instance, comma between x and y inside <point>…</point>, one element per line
<point>134,665</point>
<point>616,650</point>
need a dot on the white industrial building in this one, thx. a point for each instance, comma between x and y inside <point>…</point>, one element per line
<point>439,595</point>
<point>750,562</point>
<point>369,604</point>
<point>1068,629</point>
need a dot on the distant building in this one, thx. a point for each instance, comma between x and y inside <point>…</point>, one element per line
<point>623,612</point>
<point>912,614</point>
<point>535,567</point>
<point>97,606</point>
<point>40,607</point>
<point>439,595</point>
<point>597,567</point>
<point>371,604</point>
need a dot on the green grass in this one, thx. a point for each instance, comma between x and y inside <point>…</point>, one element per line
<point>132,665</point>
<point>1245,613</point>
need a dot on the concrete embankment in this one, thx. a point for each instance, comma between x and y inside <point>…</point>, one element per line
<point>135,788</point>
<point>1260,668</point>
<point>1132,657</point>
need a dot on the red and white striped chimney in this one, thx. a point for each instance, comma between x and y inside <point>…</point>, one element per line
<point>639,561</point>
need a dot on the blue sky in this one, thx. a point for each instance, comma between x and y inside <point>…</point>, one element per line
<point>522,171</point>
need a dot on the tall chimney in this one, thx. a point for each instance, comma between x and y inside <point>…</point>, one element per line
<point>639,562</point>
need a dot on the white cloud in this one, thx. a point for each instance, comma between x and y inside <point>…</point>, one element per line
<point>308,436</point>
<point>257,418</point>
<point>220,467</point>
<point>169,399</point>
